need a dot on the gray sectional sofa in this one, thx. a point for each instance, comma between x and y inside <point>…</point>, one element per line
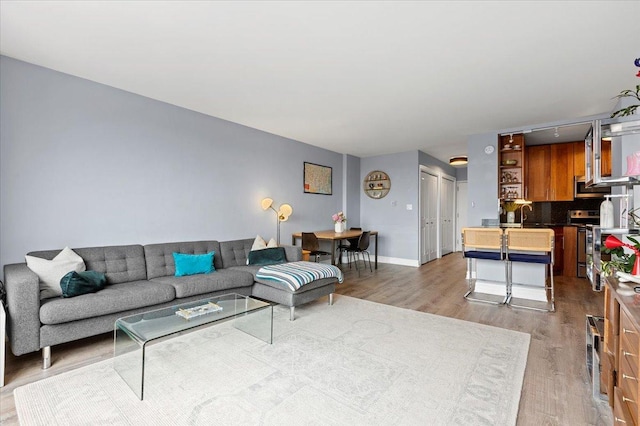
<point>139,278</point>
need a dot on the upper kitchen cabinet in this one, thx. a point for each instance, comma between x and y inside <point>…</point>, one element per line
<point>562,172</point>
<point>511,166</point>
<point>550,172</point>
<point>579,163</point>
<point>538,173</point>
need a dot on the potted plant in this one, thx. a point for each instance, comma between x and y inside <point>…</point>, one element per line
<point>510,207</point>
<point>631,109</point>
<point>340,222</point>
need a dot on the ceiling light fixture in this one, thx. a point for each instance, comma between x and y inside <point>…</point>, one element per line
<point>459,160</point>
<point>511,138</point>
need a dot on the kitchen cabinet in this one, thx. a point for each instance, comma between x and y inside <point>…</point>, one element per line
<point>550,172</point>
<point>570,251</point>
<point>558,250</point>
<point>538,173</point>
<point>562,172</point>
<point>511,167</point>
<point>579,163</point>
<point>605,157</point>
<point>621,350</point>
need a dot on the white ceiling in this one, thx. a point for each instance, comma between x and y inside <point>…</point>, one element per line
<point>363,78</point>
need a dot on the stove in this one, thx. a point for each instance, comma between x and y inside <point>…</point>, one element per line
<point>584,219</point>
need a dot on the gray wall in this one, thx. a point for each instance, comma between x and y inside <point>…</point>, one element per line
<point>84,164</point>
<point>399,228</point>
<point>461,174</point>
<point>482,177</point>
<point>352,192</point>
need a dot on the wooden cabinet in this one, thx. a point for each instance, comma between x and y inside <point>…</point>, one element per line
<point>621,351</point>
<point>578,159</point>
<point>605,158</point>
<point>538,173</point>
<point>550,172</point>
<point>570,252</point>
<point>562,172</point>
<point>511,167</point>
<point>558,250</point>
<point>579,163</point>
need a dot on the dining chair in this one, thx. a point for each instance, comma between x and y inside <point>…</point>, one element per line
<point>531,246</point>
<point>360,249</point>
<point>310,243</point>
<point>484,244</point>
<point>350,242</point>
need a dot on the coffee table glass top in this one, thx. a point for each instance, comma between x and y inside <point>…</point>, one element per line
<point>135,333</point>
<point>163,322</point>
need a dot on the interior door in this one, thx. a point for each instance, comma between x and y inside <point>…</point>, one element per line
<point>428,216</point>
<point>447,203</point>
<point>461,212</point>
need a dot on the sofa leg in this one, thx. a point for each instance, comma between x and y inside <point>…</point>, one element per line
<point>292,310</point>
<point>46,357</point>
<point>331,298</point>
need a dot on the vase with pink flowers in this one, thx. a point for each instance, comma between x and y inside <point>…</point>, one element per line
<point>340,222</point>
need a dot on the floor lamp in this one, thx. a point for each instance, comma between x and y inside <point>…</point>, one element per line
<point>282,214</point>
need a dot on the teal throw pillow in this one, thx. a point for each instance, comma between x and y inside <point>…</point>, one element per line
<point>268,256</point>
<point>77,283</point>
<point>193,264</point>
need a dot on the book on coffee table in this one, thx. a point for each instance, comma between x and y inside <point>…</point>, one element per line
<point>196,311</point>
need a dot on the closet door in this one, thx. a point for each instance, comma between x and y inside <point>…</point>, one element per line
<point>447,215</point>
<point>429,216</point>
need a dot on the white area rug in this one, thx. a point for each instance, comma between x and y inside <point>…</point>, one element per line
<point>353,363</point>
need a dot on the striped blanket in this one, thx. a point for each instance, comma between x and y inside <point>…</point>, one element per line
<point>296,274</point>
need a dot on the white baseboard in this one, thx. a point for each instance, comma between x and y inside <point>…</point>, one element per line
<point>390,260</point>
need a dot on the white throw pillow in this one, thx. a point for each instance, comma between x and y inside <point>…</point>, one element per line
<point>259,243</point>
<point>50,272</point>
<point>272,243</point>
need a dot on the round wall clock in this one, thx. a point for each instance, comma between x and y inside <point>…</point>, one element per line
<point>376,184</point>
<point>489,149</point>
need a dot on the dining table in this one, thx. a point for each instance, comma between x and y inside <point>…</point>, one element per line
<point>333,236</point>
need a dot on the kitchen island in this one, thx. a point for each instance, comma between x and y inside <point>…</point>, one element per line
<point>519,275</point>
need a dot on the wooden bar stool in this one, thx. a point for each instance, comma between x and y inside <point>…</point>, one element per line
<point>484,244</point>
<point>534,246</point>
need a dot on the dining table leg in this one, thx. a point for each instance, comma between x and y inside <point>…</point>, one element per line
<point>376,252</point>
<point>333,252</point>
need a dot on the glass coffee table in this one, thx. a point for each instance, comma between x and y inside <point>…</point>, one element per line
<point>134,333</point>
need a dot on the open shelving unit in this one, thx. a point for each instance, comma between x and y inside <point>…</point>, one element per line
<point>511,167</point>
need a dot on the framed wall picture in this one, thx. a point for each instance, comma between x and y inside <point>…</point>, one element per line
<point>317,179</point>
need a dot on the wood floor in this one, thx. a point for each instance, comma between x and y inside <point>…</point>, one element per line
<point>556,389</point>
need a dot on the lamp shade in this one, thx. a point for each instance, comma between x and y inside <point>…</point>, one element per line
<point>613,242</point>
<point>266,203</point>
<point>284,212</point>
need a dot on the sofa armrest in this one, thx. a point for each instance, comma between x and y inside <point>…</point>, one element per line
<point>293,253</point>
<point>23,308</point>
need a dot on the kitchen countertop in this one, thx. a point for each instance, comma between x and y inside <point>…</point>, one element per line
<point>536,225</point>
